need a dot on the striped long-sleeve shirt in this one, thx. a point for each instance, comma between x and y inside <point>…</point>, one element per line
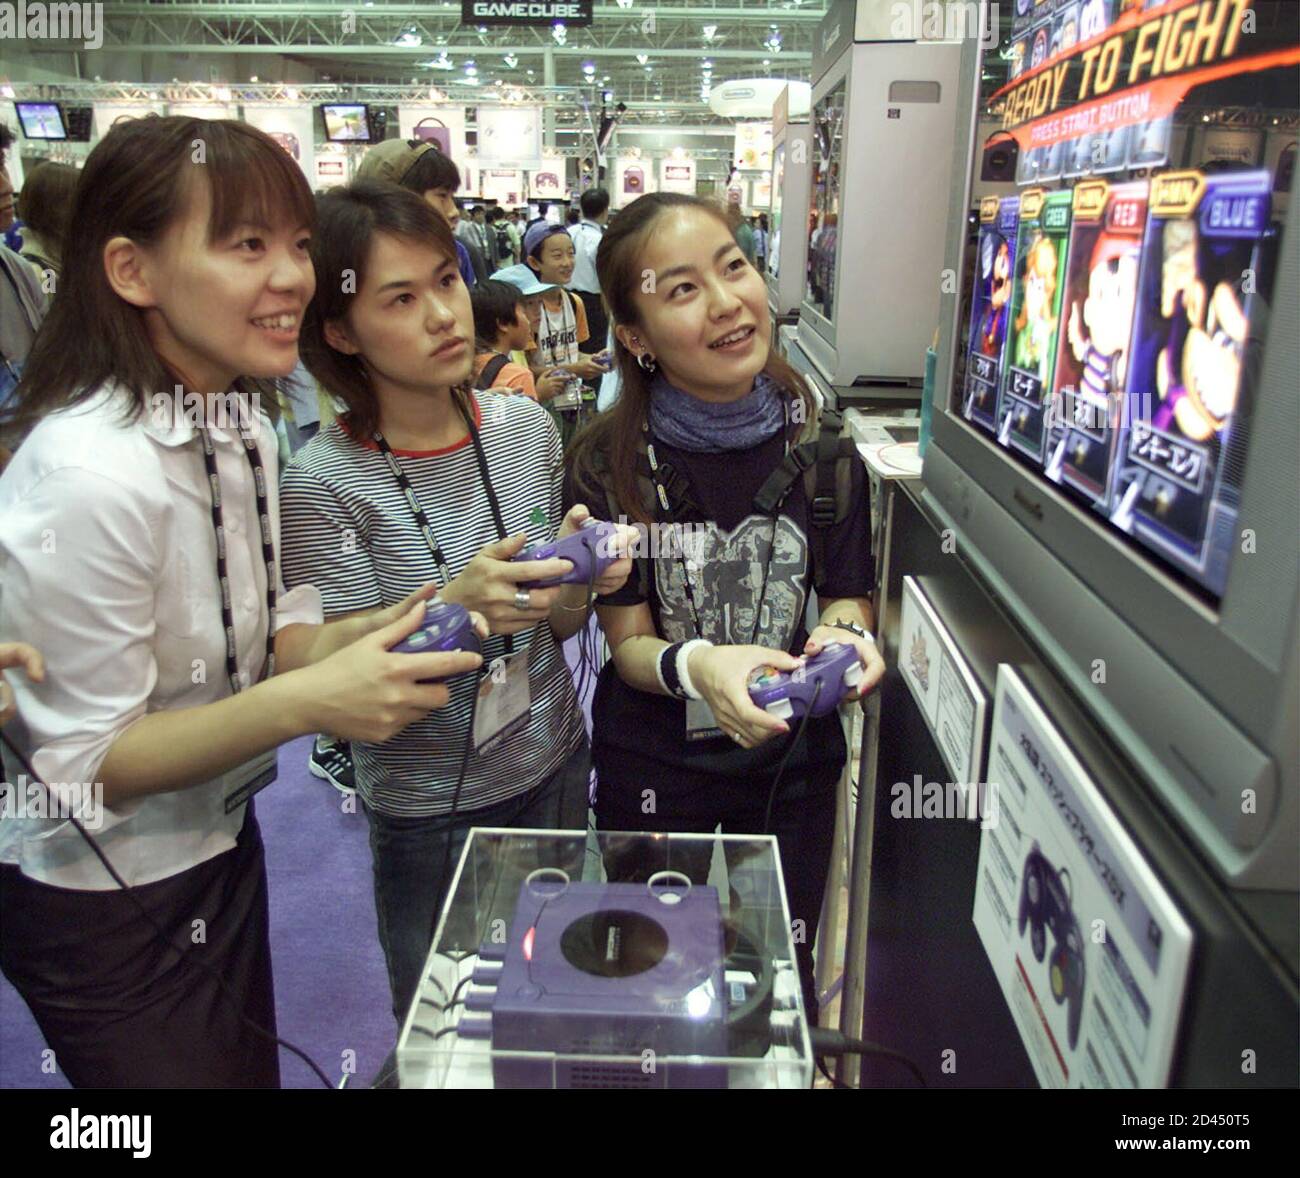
<point>348,530</point>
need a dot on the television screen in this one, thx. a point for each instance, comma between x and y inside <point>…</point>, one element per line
<point>824,214</point>
<point>346,122</point>
<point>1119,305</point>
<point>41,120</point>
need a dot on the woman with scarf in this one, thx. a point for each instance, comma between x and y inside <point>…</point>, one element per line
<point>708,411</point>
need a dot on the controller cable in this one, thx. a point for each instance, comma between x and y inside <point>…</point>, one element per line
<point>159,934</point>
<point>455,998</point>
<point>827,1042</point>
<point>780,769</point>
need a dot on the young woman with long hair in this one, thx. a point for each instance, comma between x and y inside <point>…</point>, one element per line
<point>139,536</point>
<point>423,480</point>
<point>708,411</point>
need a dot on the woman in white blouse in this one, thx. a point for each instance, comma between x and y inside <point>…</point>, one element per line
<point>139,525</point>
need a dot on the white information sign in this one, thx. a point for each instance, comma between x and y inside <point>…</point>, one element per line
<point>1088,947</point>
<point>948,694</point>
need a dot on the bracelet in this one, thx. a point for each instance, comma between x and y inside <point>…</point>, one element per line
<point>853,628</point>
<point>666,670</point>
<point>683,670</point>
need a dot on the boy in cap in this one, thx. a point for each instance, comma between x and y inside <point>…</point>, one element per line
<point>562,326</point>
<point>422,168</point>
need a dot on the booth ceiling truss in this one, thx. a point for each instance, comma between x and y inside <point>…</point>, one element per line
<point>652,52</point>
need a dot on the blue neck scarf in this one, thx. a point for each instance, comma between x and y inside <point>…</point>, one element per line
<point>703,427</point>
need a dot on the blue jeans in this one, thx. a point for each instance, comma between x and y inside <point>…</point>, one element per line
<point>409,854</point>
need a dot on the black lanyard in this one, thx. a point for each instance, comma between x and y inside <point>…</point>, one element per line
<point>223,570</point>
<point>417,508</point>
<point>664,511</point>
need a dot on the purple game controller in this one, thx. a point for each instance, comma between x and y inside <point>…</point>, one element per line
<point>446,627</point>
<point>789,694</point>
<point>589,544</point>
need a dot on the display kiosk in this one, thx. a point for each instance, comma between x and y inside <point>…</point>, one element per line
<point>882,117</point>
<point>787,251</point>
<point>1106,538</point>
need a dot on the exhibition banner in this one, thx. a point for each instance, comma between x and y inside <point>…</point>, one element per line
<point>109,114</point>
<point>547,183</point>
<point>292,126</point>
<point>441,124</point>
<point>519,13</point>
<point>509,136</point>
<point>503,185</point>
<point>754,147</point>
<point>677,175</point>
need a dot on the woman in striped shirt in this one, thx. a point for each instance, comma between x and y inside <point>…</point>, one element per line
<point>422,480</point>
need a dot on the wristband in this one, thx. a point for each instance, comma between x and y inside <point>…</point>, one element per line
<point>666,670</point>
<point>683,671</point>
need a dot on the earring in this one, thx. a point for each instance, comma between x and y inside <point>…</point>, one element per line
<point>642,361</point>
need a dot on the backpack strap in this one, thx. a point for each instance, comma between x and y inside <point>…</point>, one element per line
<point>828,484</point>
<point>646,488</point>
<point>491,370</point>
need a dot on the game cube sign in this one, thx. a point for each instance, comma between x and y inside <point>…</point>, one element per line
<point>526,12</point>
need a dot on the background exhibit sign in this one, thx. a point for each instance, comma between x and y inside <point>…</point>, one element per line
<point>1087,946</point>
<point>291,127</point>
<point>526,12</point>
<point>509,137</point>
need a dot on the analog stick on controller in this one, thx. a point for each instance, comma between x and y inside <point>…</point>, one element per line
<point>817,687</point>
<point>446,627</point>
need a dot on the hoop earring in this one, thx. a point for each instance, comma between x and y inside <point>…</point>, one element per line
<point>641,360</point>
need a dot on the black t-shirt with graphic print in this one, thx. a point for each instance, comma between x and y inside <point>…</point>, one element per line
<point>639,739</point>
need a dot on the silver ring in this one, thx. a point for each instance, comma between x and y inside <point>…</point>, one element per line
<point>523,599</point>
<point>736,737</point>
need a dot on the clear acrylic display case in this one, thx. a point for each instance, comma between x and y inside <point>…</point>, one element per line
<point>568,959</point>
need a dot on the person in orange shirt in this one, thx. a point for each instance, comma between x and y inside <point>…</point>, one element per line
<point>500,326</point>
<point>549,382</point>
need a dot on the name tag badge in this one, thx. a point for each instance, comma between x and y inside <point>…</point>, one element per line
<point>504,702</point>
<point>701,724</point>
<point>249,778</point>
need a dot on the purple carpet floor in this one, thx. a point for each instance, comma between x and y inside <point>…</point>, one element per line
<point>331,987</point>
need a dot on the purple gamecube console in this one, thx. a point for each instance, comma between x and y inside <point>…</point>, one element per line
<point>588,549</point>
<point>820,684</point>
<point>446,627</point>
<point>613,969</point>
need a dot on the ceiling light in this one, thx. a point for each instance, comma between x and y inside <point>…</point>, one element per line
<point>642,58</point>
<point>511,60</point>
<point>710,31</point>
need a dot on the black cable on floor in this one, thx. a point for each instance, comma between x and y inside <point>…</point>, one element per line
<point>161,935</point>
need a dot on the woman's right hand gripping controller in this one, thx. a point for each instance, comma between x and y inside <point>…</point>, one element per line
<point>369,693</point>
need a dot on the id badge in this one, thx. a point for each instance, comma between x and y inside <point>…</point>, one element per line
<point>249,778</point>
<point>701,724</point>
<point>504,702</point>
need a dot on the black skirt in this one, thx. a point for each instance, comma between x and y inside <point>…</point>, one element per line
<point>121,1010</point>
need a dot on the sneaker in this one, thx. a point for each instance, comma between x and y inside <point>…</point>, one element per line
<point>332,761</point>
